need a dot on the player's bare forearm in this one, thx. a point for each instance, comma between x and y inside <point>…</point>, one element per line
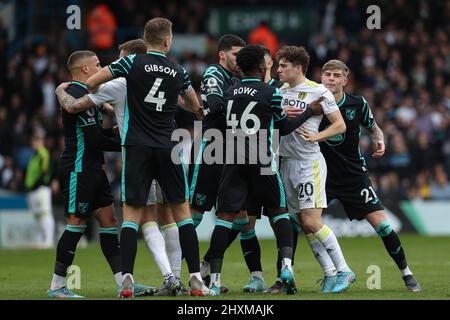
<point>376,133</point>
<point>192,104</point>
<point>337,126</point>
<point>97,79</point>
<point>72,105</point>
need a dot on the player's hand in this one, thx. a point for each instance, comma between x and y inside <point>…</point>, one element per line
<point>306,135</point>
<point>115,130</point>
<point>106,107</point>
<point>316,107</point>
<point>200,115</point>
<point>380,150</point>
<point>292,112</point>
<point>62,86</point>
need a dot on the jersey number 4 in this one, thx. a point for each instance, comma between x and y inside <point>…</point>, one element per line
<point>246,116</point>
<point>160,100</point>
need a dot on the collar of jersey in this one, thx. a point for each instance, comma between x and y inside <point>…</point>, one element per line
<point>250,80</point>
<point>342,100</point>
<point>227,73</point>
<point>156,53</point>
<point>80,84</point>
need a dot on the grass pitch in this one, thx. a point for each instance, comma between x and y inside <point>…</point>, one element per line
<point>26,274</point>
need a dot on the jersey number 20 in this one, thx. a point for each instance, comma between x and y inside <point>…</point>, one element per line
<point>150,98</point>
<point>246,115</point>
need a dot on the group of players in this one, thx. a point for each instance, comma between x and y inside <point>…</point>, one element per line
<point>242,103</point>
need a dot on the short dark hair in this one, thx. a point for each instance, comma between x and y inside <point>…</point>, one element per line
<point>295,55</point>
<point>266,51</point>
<point>156,30</point>
<point>76,56</point>
<point>250,57</point>
<point>227,41</point>
<point>136,46</point>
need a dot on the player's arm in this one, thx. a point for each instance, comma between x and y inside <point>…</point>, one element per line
<point>71,104</point>
<point>119,68</point>
<point>378,138</point>
<point>189,96</point>
<point>97,79</point>
<point>106,107</point>
<point>331,111</point>
<point>376,134</point>
<point>192,104</point>
<point>337,126</point>
<point>286,125</point>
<point>212,92</point>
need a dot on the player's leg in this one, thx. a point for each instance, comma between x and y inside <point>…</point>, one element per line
<point>278,287</point>
<point>173,180</point>
<point>252,255</point>
<point>393,246</point>
<point>198,185</point>
<point>109,241</point>
<point>312,200</point>
<point>270,192</point>
<point>77,197</point>
<point>137,176</point>
<point>169,230</point>
<point>155,242</point>
<point>233,189</point>
<point>65,254</point>
<point>239,223</point>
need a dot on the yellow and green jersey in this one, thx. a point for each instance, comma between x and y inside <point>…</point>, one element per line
<point>38,170</point>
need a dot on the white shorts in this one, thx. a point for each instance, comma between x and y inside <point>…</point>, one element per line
<point>155,194</point>
<point>304,183</point>
<point>40,201</point>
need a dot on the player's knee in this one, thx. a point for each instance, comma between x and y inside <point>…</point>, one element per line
<point>310,225</point>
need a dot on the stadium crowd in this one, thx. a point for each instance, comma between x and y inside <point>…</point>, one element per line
<point>403,71</point>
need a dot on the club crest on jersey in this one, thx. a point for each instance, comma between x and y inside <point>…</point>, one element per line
<point>336,140</point>
<point>200,199</point>
<point>83,207</point>
<point>350,114</point>
<point>302,95</point>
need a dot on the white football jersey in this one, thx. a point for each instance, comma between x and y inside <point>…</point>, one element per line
<point>293,145</point>
<point>115,93</point>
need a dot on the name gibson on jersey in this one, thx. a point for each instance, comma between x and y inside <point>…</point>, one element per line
<point>158,68</point>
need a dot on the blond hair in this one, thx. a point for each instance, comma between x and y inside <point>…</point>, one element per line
<point>336,64</point>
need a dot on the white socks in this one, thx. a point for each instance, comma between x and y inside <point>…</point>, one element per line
<point>118,278</point>
<point>258,274</point>
<point>173,248</point>
<point>321,255</point>
<point>406,272</point>
<point>57,282</point>
<point>327,238</point>
<point>156,245</point>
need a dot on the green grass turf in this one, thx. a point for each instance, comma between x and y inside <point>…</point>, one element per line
<point>26,274</point>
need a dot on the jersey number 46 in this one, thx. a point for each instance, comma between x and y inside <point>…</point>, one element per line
<point>246,116</point>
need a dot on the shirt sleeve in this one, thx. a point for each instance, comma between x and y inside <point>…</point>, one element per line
<point>122,67</point>
<point>275,104</point>
<point>187,86</point>
<point>110,92</point>
<point>367,119</point>
<point>212,89</point>
<point>328,103</point>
